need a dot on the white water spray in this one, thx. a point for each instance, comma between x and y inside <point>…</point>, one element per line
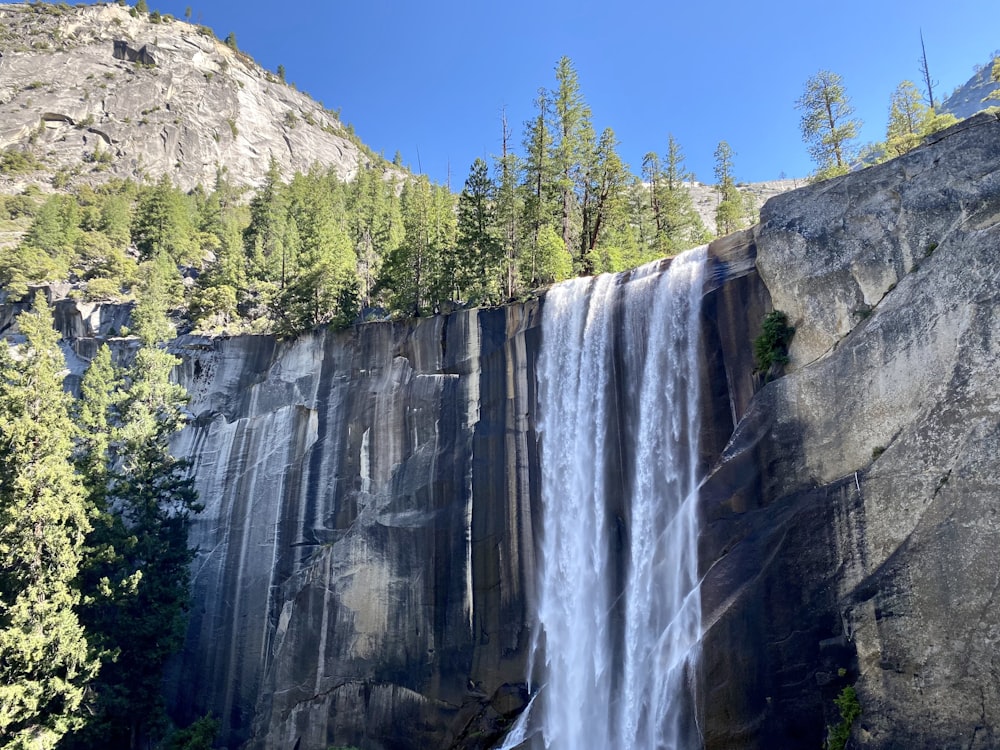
<point>619,608</point>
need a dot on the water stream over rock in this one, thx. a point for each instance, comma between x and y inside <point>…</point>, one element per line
<point>619,609</point>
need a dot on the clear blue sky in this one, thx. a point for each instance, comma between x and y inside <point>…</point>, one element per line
<point>430,77</point>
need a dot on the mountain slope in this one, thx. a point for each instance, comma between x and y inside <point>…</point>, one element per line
<point>93,92</point>
<point>971,96</point>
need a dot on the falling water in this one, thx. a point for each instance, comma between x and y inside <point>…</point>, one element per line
<point>618,606</point>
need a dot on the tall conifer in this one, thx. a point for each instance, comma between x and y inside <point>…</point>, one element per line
<point>44,657</point>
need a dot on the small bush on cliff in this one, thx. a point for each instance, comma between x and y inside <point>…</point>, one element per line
<point>850,710</point>
<point>15,161</point>
<point>771,347</point>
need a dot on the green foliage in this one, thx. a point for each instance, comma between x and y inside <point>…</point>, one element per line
<point>771,347</point>
<point>136,576</point>
<point>231,41</point>
<point>375,223</point>
<point>197,736</point>
<point>474,267</point>
<point>850,709</point>
<point>47,250</point>
<point>163,222</point>
<point>603,199</point>
<point>906,115</point>
<point>731,211</point>
<point>414,275</point>
<point>827,125</point>
<point>141,7</point>
<point>45,660</point>
<point>17,206</point>
<point>17,161</point>
<point>161,291</point>
<point>676,224</point>
<point>103,290</point>
<point>910,121</point>
<point>552,262</point>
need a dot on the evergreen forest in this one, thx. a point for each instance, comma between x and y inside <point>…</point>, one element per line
<point>308,250</point>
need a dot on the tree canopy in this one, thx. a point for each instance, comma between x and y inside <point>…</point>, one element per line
<point>828,127</point>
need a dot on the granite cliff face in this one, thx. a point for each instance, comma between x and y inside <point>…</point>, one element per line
<point>367,559</point>
<point>850,528</point>
<point>365,564</point>
<point>96,92</point>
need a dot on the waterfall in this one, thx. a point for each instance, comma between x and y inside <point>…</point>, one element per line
<point>619,609</point>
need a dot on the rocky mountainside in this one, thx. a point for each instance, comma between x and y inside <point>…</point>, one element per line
<point>973,95</point>
<point>706,197</point>
<point>93,91</point>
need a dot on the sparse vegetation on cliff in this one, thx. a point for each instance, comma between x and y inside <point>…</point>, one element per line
<point>850,709</point>
<point>771,347</point>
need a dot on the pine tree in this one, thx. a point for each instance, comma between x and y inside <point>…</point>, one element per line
<point>730,211</point>
<point>443,239</point>
<point>906,115</point>
<point>263,236</point>
<point>376,226</point>
<point>45,662</point>
<point>538,184</point>
<point>652,174</point>
<point>136,576</point>
<point>220,222</point>
<point>508,210</point>
<point>161,291</point>
<point>910,120</point>
<point>682,226</point>
<point>320,257</point>
<point>415,274</point>
<point>477,263</point>
<point>572,150</point>
<point>604,208</point>
<point>828,128</point>
<point>98,397</point>
<point>163,222</point>
<point>407,271</point>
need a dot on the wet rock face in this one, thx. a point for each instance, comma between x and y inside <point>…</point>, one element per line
<point>851,532</point>
<point>365,558</point>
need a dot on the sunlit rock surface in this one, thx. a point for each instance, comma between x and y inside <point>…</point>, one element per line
<point>851,527</point>
<point>366,557</point>
<point>366,564</point>
<point>153,98</point>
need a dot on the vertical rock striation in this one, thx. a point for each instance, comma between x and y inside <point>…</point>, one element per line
<point>365,558</point>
